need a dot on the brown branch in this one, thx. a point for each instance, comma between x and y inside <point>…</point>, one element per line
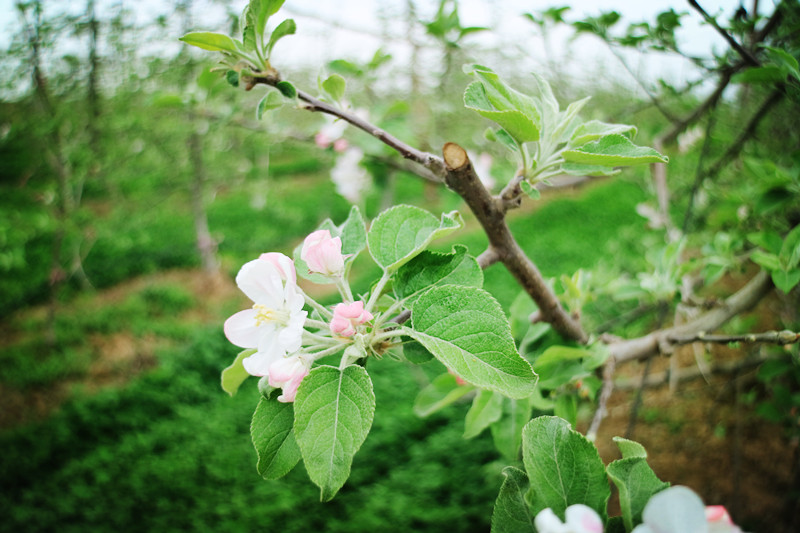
<point>769,337</point>
<point>690,373</point>
<point>741,50</point>
<point>427,160</point>
<point>490,212</point>
<point>605,394</point>
<point>662,341</point>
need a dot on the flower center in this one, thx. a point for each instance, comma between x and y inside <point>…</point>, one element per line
<point>264,315</point>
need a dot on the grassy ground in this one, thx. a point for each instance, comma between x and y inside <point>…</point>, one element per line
<point>148,441</point>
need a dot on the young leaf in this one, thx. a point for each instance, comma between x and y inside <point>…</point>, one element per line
<point>520,126</point>
<point>563,467</point>
<point>613,150</point>
<point>353,233</point>
<point>273,438</point>
<point>287,27</point>
<point>785,280</point>
<point>264,9</point>
<point>630,449</point>
<point>334,85</point>
<point>233,376</point>
<point>216,42</point>
<point>594,171</point>
<point>433,268</point>
<point>511,512</point>
<point>530,190</point>
<point>232,77</point>
<point>333,414</point>
<point>271,100</point>
<point>444,390</point>
<point>790,249</point>
<point>465,328</point>
<point>403,231</point>
<point>287,89</point>
<point>487,407</point>
<point>595,129</point>
<point>636,483</point>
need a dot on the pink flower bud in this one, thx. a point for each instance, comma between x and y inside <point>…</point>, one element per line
<point>283,264</point>
<point>286,373</point>
<point>347,316</point>
<point>323,254</point>
<point>340,145</point>
<point>322,140</point>
<point>718,513</point>
<point>459,379</point>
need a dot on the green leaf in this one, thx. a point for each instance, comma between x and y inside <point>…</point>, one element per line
<point>501,136</point>
<point>790,250</point>
<point>507,432</point>
<point>630,449</point>
<point>595,129</point>
<point>765,74</point>
<point>333,415</point>
<point>273,438</point>
<point>567,120</point>
<point>636,483</point>
<point>415,353</point>
<point>595,171</point>
<point>233,376</point>
<point>487,407</point>
<point>558,365</point>
<point>769,261</point>
<point>566,407</point>
<point>465,328</point>
<point>444,390</point>
<point>563,467</point>
<point>271,100</point>
<point>232,77</point>
<point>786,280</point>
<point>613,150</point>
<point>522,127</point>
<point>286,89</point>
<point>287,27</point>
<point>403,231</point>
<point>335,86</point>
<point>768,240</point>
<point>530,190</point>
<point>511,512</point>
<point>264,9</point>
<point>432,268</point>
<point>353,233</point>
<point>216,42</point>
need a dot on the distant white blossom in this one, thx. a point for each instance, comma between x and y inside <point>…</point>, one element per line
<point>350,178</point>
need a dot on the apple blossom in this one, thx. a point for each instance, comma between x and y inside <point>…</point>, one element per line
<point>323,254</point>
<point>579,519</point>
<point>274,325</point>
<point>346,317</point>
<point>331,133</point>
<point>350,178</point>
<point>286,373</point>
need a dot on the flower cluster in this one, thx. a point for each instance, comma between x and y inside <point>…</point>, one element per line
<point>278,330</point>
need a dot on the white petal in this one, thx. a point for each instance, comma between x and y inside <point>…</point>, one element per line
<point>547,522</point>
<point>291,337</point>
<point>262,283</point>
<point>583,519</point>
<point>258,364</point>
<point>241,329</point>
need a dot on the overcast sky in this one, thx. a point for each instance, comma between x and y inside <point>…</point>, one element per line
<point>342,28</point>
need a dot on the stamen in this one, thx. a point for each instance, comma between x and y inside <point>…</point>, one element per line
<point>263,314</point>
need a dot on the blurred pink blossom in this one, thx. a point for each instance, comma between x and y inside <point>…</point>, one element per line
<point>347,316</point>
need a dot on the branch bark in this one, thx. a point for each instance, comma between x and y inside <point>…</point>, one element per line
<point>665,340</point>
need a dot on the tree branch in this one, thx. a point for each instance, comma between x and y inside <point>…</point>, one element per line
<point>664,340</point>
<point>490,212</point>
<point>741,50</point>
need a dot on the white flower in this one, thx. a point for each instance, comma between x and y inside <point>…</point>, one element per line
<point>274,325</point>
<point>579,519</point>
<point>350,178</point>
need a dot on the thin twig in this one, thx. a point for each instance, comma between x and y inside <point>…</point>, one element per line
<point>605,394</point>
<point>741,50</point>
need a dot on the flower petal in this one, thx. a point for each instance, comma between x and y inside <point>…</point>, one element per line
<point>258,364</point>
<point>261,281</point>
<point>241,329</point>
